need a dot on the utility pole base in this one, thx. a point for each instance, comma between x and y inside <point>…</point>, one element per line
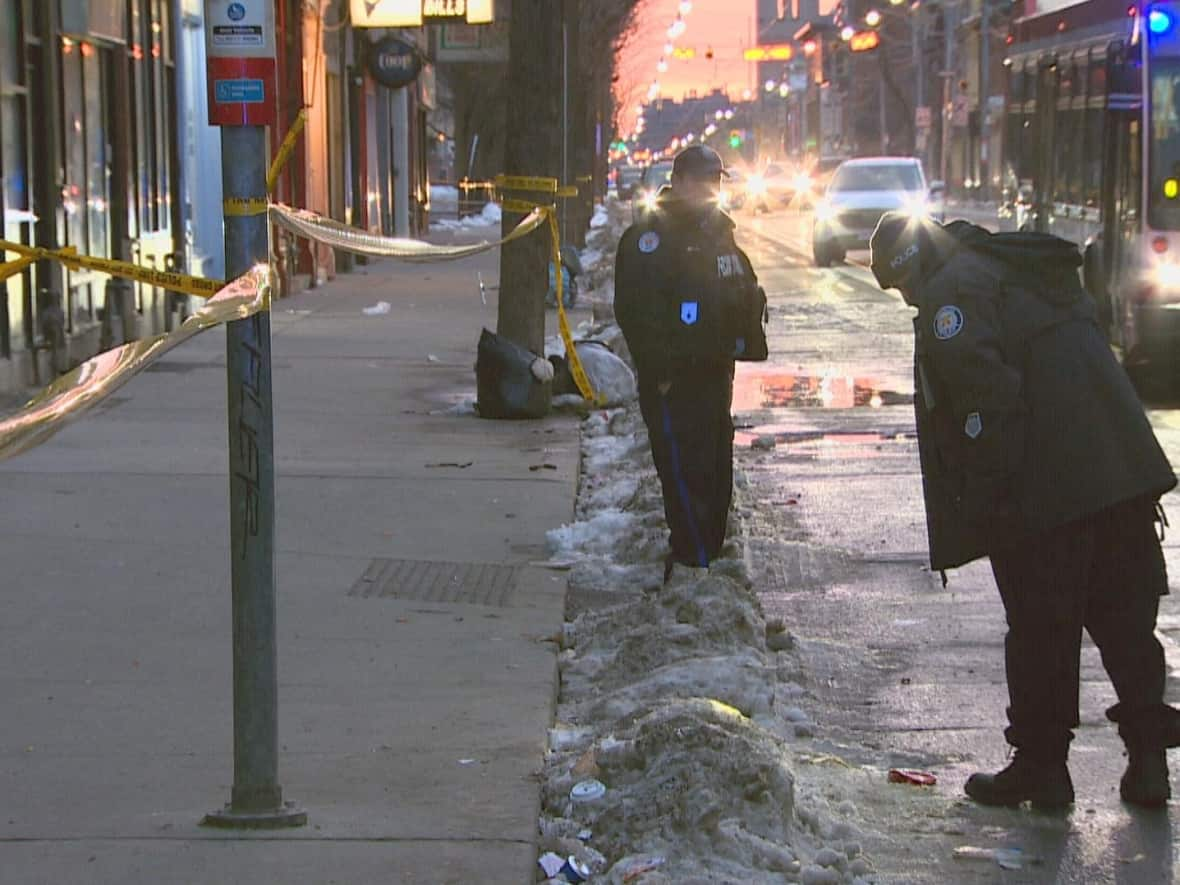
<point>279,819</point>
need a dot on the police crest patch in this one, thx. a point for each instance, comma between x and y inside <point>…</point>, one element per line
<point>689,311</point>
<point>973,426</point>
<point>948,322</point>
<point>649,242</point>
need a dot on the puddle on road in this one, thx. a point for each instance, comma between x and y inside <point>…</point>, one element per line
<point>746,434</point>
<point>786,389</point>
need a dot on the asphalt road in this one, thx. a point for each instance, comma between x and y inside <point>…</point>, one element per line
<point>902,672</point>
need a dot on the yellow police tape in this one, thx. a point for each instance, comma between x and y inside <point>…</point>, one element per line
<point>76,392</point>
<point>341,236</point>
<point>176,282</point>
<point>284,152</point>
<point>240,207</point>
<point>571,353</point>
<point>526,183</point>
<point>12,268</point>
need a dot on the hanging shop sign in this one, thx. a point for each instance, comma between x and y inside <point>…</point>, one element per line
<point>394,63</point>
<point>240,46</point>
<point>415,13</point>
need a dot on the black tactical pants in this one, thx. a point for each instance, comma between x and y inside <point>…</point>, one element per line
<point>691,435</point>
<point>1104,573</point>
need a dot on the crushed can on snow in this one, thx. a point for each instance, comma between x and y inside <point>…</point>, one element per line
<point>912,776</point>
<point>588,791</point>
<point>573,870</point>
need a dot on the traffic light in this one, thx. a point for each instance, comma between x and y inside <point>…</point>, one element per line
<point>736,137</point>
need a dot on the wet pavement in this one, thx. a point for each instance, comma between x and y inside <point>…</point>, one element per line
<point>903,671</point>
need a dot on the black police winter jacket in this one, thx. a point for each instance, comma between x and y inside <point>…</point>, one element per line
<point>1025,419</point>
<point>685,294</point>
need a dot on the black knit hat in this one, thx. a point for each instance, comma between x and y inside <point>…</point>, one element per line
<point>698,161</point>
<point>896,247</point>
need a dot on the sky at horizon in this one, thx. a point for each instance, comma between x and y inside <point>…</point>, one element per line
<point>724,26</point>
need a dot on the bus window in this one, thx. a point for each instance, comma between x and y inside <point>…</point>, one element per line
<point>1163,181</point>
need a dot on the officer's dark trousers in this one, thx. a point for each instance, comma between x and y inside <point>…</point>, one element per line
<point>691,434</point>
<point>1104,573</point>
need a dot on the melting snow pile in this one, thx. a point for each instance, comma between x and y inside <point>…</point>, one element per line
<point>489,217</point>
<point>682,701</point>
<point>598,258</point>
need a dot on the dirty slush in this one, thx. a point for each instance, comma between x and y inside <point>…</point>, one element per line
<point>683,702</point>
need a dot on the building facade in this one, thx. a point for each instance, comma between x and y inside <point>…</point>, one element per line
<point>105,148</point>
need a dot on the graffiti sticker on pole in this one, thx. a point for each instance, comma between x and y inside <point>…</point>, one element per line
<point>240,44</point>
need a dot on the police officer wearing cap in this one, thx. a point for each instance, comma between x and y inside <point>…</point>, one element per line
<point>689,304</point>
<point>1035,451</point>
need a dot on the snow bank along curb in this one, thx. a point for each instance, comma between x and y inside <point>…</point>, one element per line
<point>682,700</point>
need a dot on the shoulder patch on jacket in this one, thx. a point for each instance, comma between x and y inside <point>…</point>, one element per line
<point>649,241</point>
<point>948,322</point>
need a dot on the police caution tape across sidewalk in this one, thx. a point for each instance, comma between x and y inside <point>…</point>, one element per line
<point>341,236</point>
<point>76,392</point>
<point>176,282</point>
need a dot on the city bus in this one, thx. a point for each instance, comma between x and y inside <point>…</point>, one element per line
<point>1092,154</point>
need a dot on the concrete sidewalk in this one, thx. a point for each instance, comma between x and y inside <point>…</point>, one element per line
<point>413,706</point>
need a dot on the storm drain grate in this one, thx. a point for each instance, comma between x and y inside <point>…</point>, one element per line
<point>473,583</point>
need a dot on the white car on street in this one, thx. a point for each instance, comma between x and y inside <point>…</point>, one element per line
<point>860,192</point>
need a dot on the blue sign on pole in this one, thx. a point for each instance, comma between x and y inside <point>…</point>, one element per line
<point>239,91</point>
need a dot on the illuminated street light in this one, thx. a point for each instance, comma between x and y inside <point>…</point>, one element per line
<point>747,94</point>
<point>873,18</point>
<point>677,28</point>
<point>847,33</point>
<point>690,138</point>
<point>668,49</point>
<point>710,129</point>
<point>784,90</point>
<point>685,7</point>
<point>771,85</point>
<point>729,114</point>
<point>719,115</point>
<point>662,67</point>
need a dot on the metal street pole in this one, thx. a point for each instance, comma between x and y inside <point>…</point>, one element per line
<point>948,74</point>
<point>240,107</point>
<point>881,101</point>
<point>985,64</point>
<point>565,111</point>
<point>917,44</point>
<point>257,799</point>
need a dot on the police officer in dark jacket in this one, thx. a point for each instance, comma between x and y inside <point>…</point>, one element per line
<point>689,304</point>
<point>1035,451</point>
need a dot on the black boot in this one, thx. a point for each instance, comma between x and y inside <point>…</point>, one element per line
<point>1044,783</point>
<point>1145,782</point>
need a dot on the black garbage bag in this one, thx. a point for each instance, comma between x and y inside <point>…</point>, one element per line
<point>504,381</point>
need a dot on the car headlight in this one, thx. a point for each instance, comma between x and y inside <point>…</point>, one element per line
<point>1165,276</point>
<point>756,185</point>
<point>802,183</point>
<point>824,211</point>
<point>916,207</point>
<point>648,201</point>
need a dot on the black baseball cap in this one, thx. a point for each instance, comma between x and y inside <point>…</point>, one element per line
<point>698,161</point>
<point>897,245</point>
